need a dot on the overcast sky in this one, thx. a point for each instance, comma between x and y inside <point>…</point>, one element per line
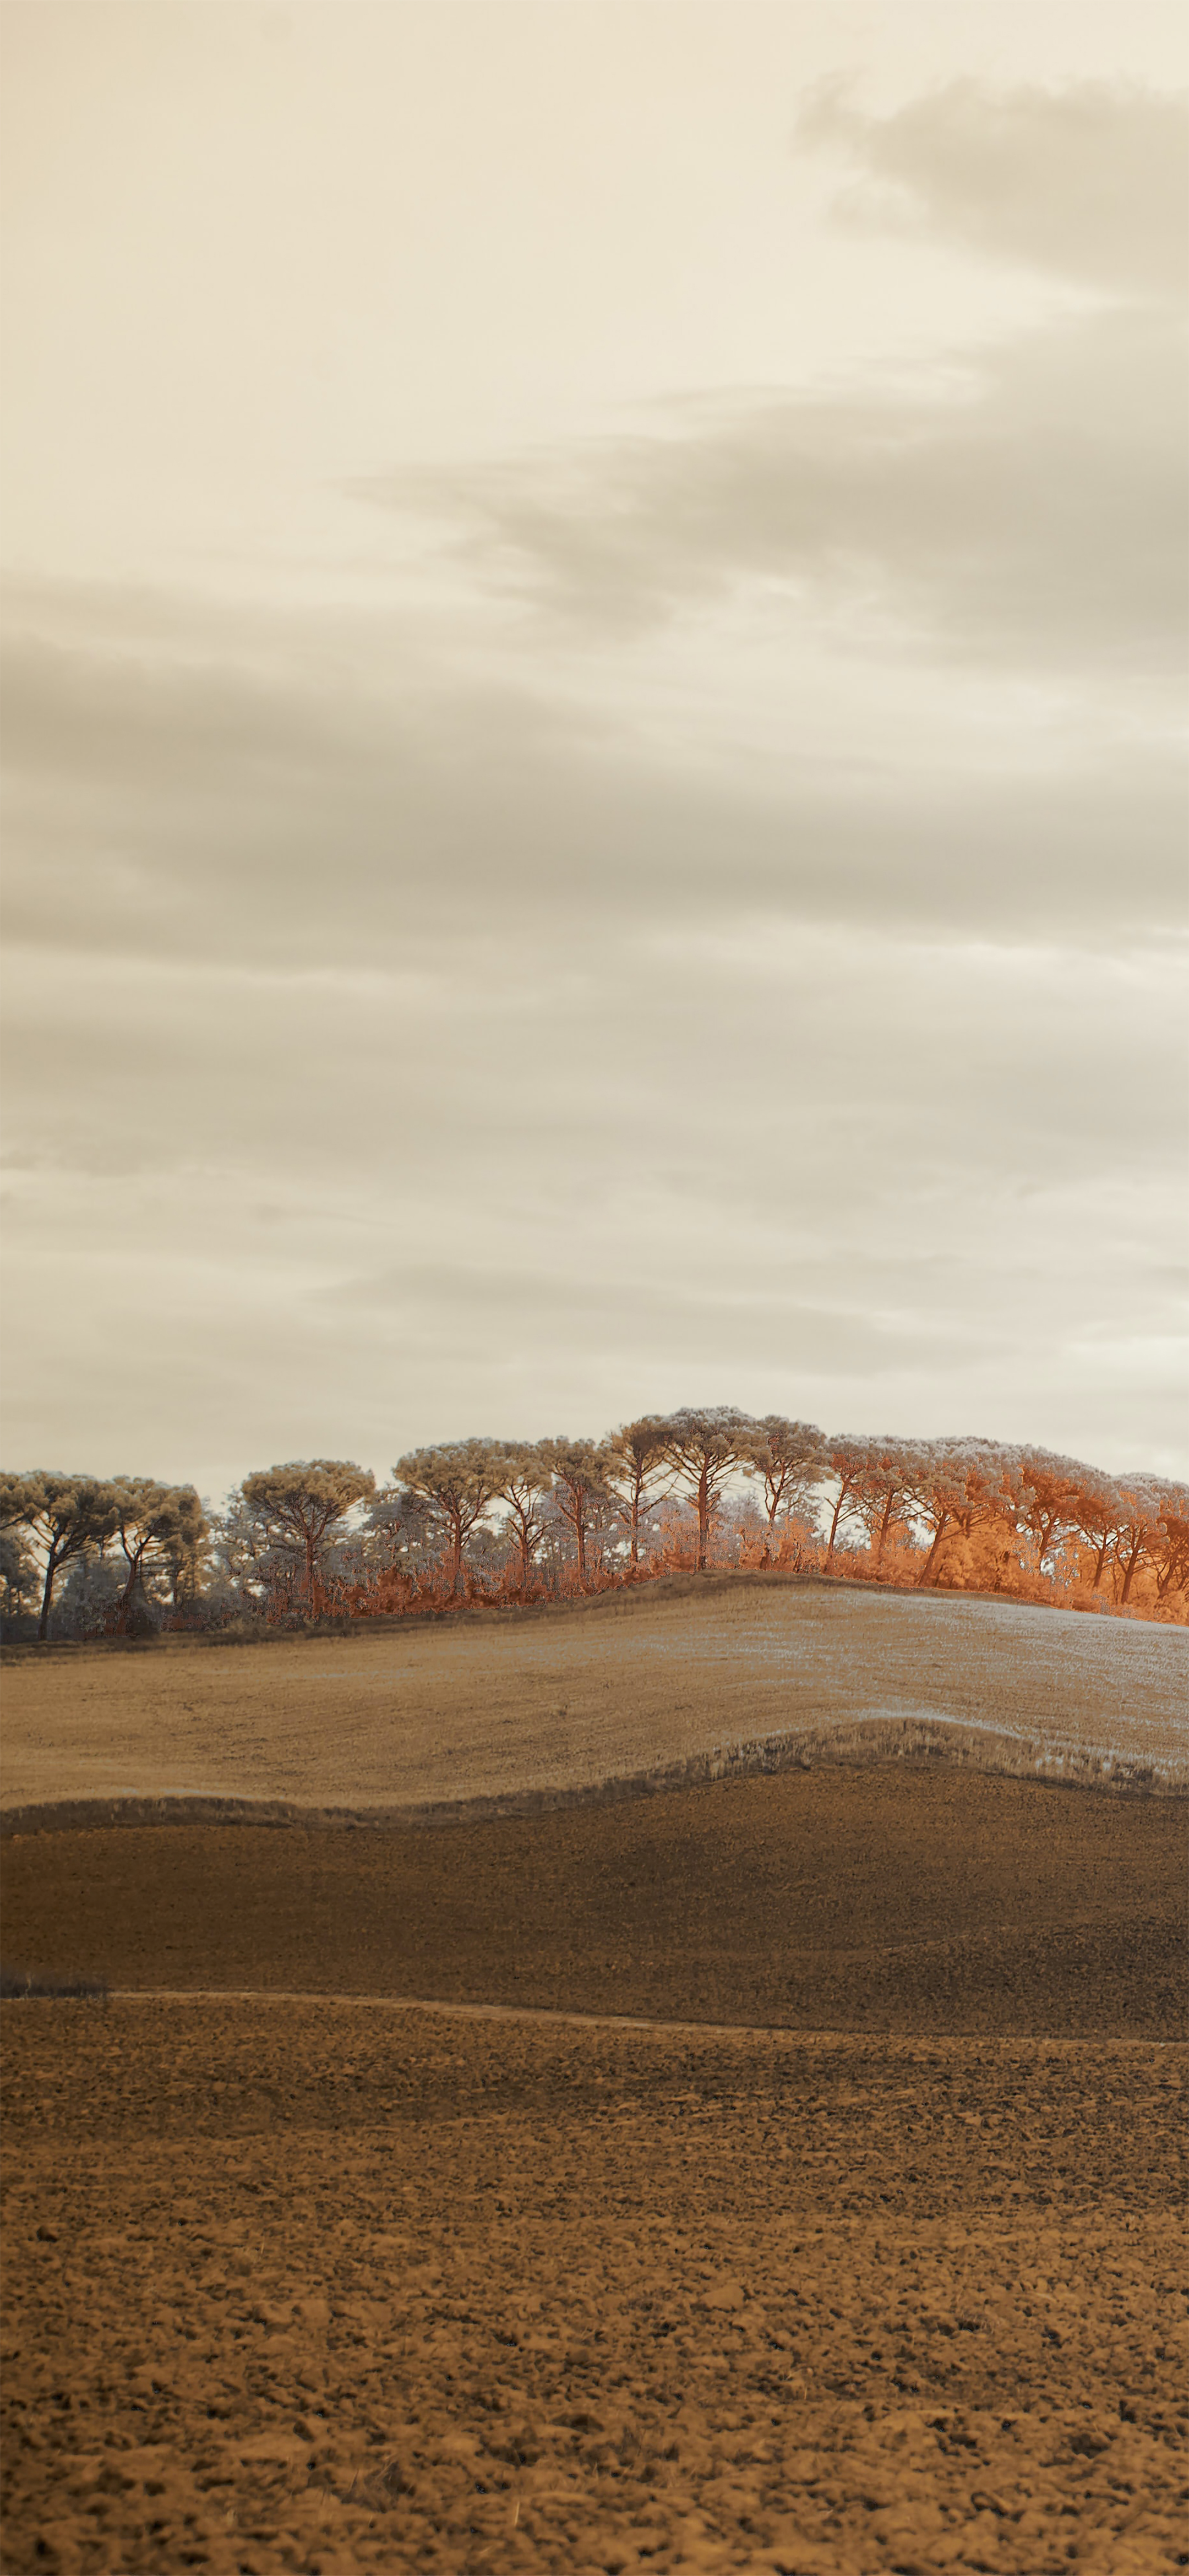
<point>595,671</point>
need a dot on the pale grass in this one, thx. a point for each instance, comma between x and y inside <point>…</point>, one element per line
<point>627,1690</point>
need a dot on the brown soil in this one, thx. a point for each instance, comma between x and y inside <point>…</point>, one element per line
<point>621,1685</point>
<point>324,2287</point>
<point>890,1900</point>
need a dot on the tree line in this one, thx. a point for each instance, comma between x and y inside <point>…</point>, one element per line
<point>513,1521</point>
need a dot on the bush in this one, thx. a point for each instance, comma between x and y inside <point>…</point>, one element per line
<point>16,1987</point>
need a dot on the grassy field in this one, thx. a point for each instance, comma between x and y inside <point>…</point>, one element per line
<point>625,1685</point>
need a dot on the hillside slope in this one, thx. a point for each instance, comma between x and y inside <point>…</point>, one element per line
<point>628,1684</point>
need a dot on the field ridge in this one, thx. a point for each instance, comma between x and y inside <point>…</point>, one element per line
<point>905,1742</point>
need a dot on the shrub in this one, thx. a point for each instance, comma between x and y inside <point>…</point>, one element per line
<point>16,1986</point>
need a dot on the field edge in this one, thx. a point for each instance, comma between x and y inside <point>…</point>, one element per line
<point>872,1743</point>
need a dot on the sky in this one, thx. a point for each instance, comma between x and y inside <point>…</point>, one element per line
<point>594,703</point>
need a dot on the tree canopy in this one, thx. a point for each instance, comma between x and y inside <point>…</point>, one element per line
<point>525,1491</point>
<point>161,1524</point>
<point>459,1479</point>
<point>705,1445</point>
<point>62,1516</point>
<point>508,1520</point>
<point>791,1459</point>
<point>579,1472</point>
<point>304,1499</point>
<point>636,1460</point>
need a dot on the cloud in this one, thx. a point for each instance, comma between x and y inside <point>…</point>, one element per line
<point>662,1321</point>
<point>1089,182</point>
<point>1028,514</point>
<point>358,812</point>
<point>1021,508</point>
<point>429,1012</point>
<point>867,1178</point>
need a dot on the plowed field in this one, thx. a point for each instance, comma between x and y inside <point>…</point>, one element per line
<point>306,2281</point>
<point>328,2287</point>
<point>888,1899</point>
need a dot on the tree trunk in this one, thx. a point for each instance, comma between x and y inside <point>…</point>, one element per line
<point>580,1537</point>
<point>838,1511</point>
<point>51,1568</point>
<point>883,1530</point>
<point>1171,1579</point>
<point>1045,1540</point>
<point>135,1614</point>
<point>1101,1565</point>
<point>124,1612</point>
<point>942,1526</point>
<point>456,1558</point>
<point>703,1518</point>
<point>1134,1559</point>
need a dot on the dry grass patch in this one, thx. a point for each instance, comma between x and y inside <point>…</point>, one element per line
<point>627,1686</point>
